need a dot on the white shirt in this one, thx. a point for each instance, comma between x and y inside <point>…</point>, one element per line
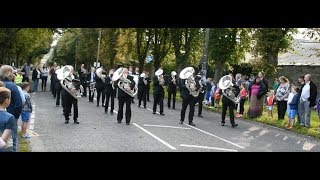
<point>290,97</point>
<point>92,76</point>
<point>305,94</point>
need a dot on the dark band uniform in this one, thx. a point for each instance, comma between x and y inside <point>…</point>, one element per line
<point>125,98</point>
<point>68,102</point>
<point>142,91</point>
<point>226,102</point>
<point>187,99</point>
<point>158,95</point>
<point>109,92</point>
<point>172,91</point>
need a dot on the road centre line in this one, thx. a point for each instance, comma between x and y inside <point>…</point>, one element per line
<point>154,136</point>
<point>207,147</point>
<point>214,136</point>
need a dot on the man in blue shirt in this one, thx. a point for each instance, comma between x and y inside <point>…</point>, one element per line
<point>15,106</point>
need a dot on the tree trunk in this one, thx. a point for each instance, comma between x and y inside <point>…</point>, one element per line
<point>219,67</point>
<point>271,72</point>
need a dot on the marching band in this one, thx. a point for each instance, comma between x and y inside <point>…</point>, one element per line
<point>127,84</point>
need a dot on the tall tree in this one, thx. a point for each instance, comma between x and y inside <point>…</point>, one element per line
<point>227,45</point>
<point>161,45</point>
<point>269,42</point>
<point>182,39</point>
<point>143,41</point>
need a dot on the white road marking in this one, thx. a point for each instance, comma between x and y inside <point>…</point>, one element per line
<point>31,126</point>
<point>298,142</point>
<point>263,132</point>
<point>308,146</point>
<point>32,133</point>
<point>32,115</point>
<point>154,136</point>
<point>207,147</point>
<point>175,127</point>
<point>113,110</point>
<point>31,121</point>
<point>254,128</point>
<point>251,129</point>
<point>152,110</point>
<point>277,135</point>
<point>286,137</point>
<point>214,136</point>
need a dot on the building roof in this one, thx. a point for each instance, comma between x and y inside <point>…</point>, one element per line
<point>305,52</point>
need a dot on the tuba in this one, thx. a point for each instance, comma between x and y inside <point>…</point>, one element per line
<point>68,82</point>
<point>124,83</point>
<point>100,75</point>
<point>159,74</point>
<point>226,85</point>
<point>187,74</point>
<point>143,75</point>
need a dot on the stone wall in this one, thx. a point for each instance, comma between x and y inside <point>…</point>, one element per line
<point>292,72</point>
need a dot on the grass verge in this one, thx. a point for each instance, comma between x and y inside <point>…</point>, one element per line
<point>313,130</point>
<point>24,144</point>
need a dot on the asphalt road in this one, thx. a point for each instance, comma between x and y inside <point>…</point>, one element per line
<point>149,132</point>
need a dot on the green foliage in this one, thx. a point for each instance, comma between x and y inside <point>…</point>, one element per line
<point>24,44</point>
<point>227,46</point>
<point>184,41</point>
<point>267,44</point>
<point>313,33</point>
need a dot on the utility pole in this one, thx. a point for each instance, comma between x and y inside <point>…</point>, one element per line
<point>204,61</point>
<point>99,39</point>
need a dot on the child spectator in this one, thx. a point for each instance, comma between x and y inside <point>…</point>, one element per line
<point>293,106</point>
<point>26,110</point>
<point>7,121</point>
<point>270,102</point>
<point>217,97</point>
<point>243,96</point>
<point>213,90</point>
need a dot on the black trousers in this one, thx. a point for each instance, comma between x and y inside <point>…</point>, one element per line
<point>109,95</point>
<point>99,92</point>
<point>91,95</point>
<point>225,105</point>
<point>70,101</point>
<point>84,93</point>
<point>25,79</point>
<point>158,99</point>
<point>44,83</point>
<point>173,94</point>
<point>200,100</point>
<point>142,96</point>
<point>54,93</point>
<point>122,101</point>
<point>58,95</point>
<point>191,101</point>
<point>282,108</point>
<point>242,105</point>
<point>148,94</point>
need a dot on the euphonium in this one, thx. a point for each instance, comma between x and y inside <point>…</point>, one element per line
<point>226,85</point>
<point>159,74</point>
<point>68,82</point>
<point>187,74</point>
<point>124,83</point>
